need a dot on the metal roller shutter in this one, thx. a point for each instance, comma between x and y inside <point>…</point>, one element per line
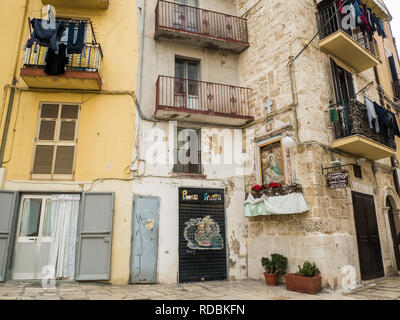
<point>202,220</point>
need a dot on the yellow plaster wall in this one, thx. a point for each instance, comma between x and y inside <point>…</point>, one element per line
<point>106,128</point>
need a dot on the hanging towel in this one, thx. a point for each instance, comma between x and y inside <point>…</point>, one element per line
<point>372,114</point>
<point>290,204</point>
<point>76,46</point>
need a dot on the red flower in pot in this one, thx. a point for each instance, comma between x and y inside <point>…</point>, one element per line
<point>256,188</point>
<point>256,191</point>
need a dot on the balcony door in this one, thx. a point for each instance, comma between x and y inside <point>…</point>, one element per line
<point>344,90</point>
<point>186,15</point>
<point>186,84</point>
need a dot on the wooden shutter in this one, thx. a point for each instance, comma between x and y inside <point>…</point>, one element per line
<point>56,140</point>
<point>64,160</point>
<point>69,112</point>
<point>393,69</point>
<point>49,111</point>
<point>95,235</point>
<point>67,131</point>
<point>7,205</point>
<point>43,159</point>
<point>47,130</point>
<point>335,79</point>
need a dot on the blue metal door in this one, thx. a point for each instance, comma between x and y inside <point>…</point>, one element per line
<point>144,240</point>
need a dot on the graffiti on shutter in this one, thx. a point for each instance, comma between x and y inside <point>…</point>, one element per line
<point>203,234</point>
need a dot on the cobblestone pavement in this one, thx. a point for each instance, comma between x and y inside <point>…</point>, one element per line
<point>225,290</point>
<point>385,289</point>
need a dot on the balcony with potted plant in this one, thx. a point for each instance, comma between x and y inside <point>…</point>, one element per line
<point>275,199</point>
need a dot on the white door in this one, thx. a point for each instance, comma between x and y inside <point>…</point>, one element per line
<point>33,238</point>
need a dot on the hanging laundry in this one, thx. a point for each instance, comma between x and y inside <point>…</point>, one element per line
<point>394,128</point>
<point>46,33</point>
<point>372,116</point>
<point>380,28</point>
<point>76,46</point>
<point>358,11</point>
<point>55,63</point>
<point>387,122</point>
<point>333,115</point>
<point>368,14</point>
<point>364,25</point>
<point>341,5</point>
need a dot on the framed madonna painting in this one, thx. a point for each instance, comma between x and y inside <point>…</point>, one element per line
<point>271,163</point>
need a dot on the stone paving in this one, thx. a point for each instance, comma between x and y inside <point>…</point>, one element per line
<point>224,290</point>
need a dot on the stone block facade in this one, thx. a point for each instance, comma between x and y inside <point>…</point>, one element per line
<point>326,234</point>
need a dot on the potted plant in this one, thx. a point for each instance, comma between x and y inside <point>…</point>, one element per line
<point>273,268</point>
<point>306,280</point>
<point>273,189</point>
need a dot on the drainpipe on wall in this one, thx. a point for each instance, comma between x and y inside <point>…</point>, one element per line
<point>7,123</point>
<point>14,82</point>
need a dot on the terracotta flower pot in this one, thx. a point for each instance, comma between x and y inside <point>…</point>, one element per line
<point>271,279</point>
<point>303,284</point>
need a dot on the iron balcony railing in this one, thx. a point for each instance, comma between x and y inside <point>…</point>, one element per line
<point>330,21</point>
<point>183,18</point>
<point>89,60</point>
<point>353,120</point>
<point>203,97</point>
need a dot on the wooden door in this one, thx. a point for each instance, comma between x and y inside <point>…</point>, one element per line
<point>395,238</point>
<point>368,241</point>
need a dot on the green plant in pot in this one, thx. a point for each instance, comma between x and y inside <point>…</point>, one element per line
<point>306,280</point>
<point>273,268</point>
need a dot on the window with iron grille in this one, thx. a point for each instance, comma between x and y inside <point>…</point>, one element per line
<point>56,141</point>
<point>188,152</point>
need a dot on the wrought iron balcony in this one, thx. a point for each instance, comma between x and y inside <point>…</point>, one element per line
<point>350,46</point>
<point>83,70</point>
<point>354,135</point>
<point>200,27</point>
<point>84,4</point>
<point>200,101</point>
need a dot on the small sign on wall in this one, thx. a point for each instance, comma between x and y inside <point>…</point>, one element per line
<point>338,180</point>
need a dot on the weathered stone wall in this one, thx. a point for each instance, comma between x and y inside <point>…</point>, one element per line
<point>326,234</point>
